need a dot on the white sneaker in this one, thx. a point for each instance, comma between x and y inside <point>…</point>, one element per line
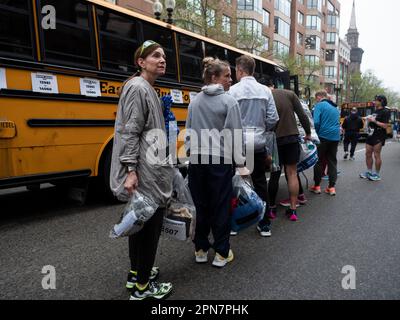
<point>234,233</point>
<point>220,261</point>
<point>201,256</point>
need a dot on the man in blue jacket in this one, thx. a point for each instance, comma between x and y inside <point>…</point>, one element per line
<point>327,124</point>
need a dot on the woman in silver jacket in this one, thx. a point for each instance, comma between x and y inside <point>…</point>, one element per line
<point>138,165</point>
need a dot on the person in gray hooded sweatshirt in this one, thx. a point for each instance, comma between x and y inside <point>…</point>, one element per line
<point>213,115</point>
<point>135,165</point>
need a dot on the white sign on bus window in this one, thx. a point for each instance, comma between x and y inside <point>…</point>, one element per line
<point>44,83</point>
<point>177,96</point>
<point>90,87</point>
<point>3,79</point>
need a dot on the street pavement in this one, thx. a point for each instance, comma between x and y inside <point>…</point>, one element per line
<point>303,260</point>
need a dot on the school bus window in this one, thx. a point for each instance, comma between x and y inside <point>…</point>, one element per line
<point>166,40</point>
<point>231,58</point>
<point>214,51</point>
<point>72,42</point>
<point>267,69</point>
<point>258,73</point>
<point>118,41</point>
<point>15,29</point>
<point>191,56</point>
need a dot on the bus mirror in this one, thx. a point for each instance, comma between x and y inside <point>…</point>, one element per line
<point>8,129</point>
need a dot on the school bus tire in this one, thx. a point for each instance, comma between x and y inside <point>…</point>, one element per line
<point>104,172</point>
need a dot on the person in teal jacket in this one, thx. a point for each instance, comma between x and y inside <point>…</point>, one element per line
<point>327,124</point>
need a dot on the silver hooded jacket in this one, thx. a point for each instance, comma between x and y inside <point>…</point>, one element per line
<point>257,109</point>
<point>140,143</point>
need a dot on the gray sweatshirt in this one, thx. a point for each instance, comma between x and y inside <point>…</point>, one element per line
<point>213,116</point>
<point>138,143</point>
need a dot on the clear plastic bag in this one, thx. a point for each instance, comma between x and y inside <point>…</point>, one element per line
<point>308,156</point>
<point>247,206</point>
<point>180,220</point>
<point>272,150</point>
<point>138,210</point>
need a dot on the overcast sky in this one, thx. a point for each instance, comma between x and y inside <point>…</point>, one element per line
<point>378,23</point>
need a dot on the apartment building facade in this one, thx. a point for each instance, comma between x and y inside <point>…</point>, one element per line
<point>304,29</point>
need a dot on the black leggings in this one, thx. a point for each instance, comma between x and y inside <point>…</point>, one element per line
<point>273,186</point>
<point>143,246</point>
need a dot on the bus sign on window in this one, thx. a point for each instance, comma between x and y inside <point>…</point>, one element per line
<point>90,87</point>
<point>44,83</point>
<point>3,80</point>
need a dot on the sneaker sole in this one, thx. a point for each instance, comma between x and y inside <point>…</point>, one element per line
<point>201,261</point>
<point>265,235</point>
<point>159,297</point>
<point>286,205</point>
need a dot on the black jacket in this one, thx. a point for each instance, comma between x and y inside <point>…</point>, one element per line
<point>352,123</point>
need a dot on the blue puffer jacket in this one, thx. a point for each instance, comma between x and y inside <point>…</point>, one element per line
<point>327,120</point>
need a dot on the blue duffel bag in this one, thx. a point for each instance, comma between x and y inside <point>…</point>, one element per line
<point>247,207</point>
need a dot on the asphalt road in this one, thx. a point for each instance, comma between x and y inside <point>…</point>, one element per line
<point>359,227</point>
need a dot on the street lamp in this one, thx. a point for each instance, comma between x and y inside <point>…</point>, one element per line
<point>170,6</point>
<point>337,89</point>
<point>158,9</point>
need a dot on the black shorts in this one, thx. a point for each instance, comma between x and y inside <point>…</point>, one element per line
<point>375,140</point>
<point>289,153</point>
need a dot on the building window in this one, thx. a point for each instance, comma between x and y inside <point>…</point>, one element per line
<point>314,23</point>
<point>313,43</point>
<point>249,27</point>
<point>300,39</point>
<point>280,48</point>
<point>330,55</point>
<point>266,17</point>
<point>194,6</point>
<point>331,21</point>
<point>330,72</point>
<point>331,37</point>
<point>315,4</point>
<point>250,5</point>
<point>282,28</point>
<point>210,13</point>
<point>283,6</point>
<point>312,60</point>
<point>300,18</point>
<point>226,24</point>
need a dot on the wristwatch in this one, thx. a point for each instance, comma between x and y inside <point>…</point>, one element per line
<point>130,168</point>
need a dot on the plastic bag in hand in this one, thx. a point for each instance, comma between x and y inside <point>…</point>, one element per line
<point>138,210</point>
<point>180,220</point>
<point>272,150</point>
<point>308,156</point>
<point>247,206</point>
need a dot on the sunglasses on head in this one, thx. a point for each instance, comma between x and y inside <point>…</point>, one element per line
<point>146,44</point>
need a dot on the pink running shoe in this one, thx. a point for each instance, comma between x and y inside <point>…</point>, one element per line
<point>272,213</point>
<point>292,215</point>
<point>302,199</point>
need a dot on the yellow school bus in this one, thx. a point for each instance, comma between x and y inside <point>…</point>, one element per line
<point>59,81</point>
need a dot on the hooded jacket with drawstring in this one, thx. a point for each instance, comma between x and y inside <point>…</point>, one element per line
<point>214,110</point>
<point>327,120</point>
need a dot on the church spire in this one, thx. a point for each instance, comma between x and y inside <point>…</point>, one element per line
<point>353,24</point>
